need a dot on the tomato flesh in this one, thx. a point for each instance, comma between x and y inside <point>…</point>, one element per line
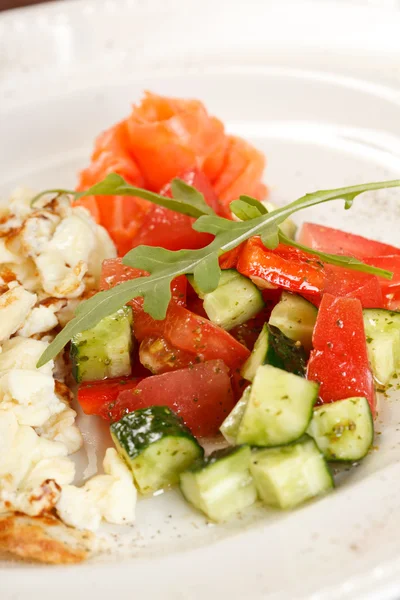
<point>350,284</point>
<point>98,397</point>
<point>339,360</point>
<point>114,272</point>
<point>285,267</point>
<point>201,395</point>
<point>174,231</point>
<point>229,259</point>
<point>334,241</point>
<point>193,333</point>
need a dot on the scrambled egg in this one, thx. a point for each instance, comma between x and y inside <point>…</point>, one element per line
<point>110,497</point>
<point>50,259</point>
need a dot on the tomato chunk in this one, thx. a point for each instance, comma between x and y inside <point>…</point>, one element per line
<point>201,395</point>
<point>230,258</point>
<point>98,397</point>
<point>168,229</point>
<point>193,333</point>
<point>334,241</point>
<point>183,329</point>
<point>285,267</point>
<point>114,272</point>
<point>351,284</point>
<point>339,360</point>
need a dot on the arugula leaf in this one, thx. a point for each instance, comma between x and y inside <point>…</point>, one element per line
<point>270,238</point>
<point>165,265</point>
<point>189,195</point>
<point>247,208</point>
<point>253,202</point>
<point>244,210</point>
<point>347,262</point>
<point>186,199</point>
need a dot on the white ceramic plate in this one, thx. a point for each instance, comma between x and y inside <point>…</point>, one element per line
<point>317,87</point>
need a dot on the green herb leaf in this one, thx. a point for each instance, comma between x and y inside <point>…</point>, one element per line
<point>165,265</point>
<point>247,208</point>
<point>190,196</point>
<point>270,238</point>
<point>244,211</point>
<point>256,203</point>
<point>347,262</point>
<point>218,225</point>
<point>186,199</point>
<point>185,202</point>
<point>207,274</point>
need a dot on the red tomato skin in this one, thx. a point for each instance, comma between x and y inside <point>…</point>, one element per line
<point>168,229</point>
<point>347,283</point>
<point>230,258</point>
<point>114,272</point>
<point>390,287</point>
<point>284,267</point>
<point>334,241</point>
<point>201,395</point>
<point>193,333</point>
<point>198,180</point>
<point>389,263</point>
<point>98,397</point>
<point>171,230</point>
<point>339,359</point>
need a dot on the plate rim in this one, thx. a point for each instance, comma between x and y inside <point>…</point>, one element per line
<point>392,582</point>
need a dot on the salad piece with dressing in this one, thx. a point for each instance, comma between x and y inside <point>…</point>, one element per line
<point>186,307</point>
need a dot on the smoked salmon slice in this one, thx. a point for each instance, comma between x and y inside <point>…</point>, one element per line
<point>241,173</point>
<point>169,136</point>
<point>120,215</point>
<point>161,139</point>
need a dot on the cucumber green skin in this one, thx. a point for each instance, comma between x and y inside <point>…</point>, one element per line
<point>295,317</point>
<point>137,430</point>
<point>89,355</point>
<point>285,354</point>
<point>207,462</point>
<point>156,446</point>
<point>315,433</point>
<point>274,348</point>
